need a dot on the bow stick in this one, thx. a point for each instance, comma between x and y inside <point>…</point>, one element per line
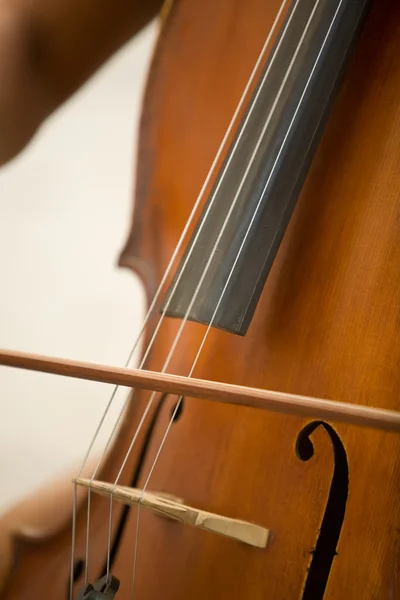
<point>280,402</point>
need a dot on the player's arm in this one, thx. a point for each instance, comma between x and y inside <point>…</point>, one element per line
<point>49,48</point>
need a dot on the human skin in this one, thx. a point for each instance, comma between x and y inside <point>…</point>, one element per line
<point>48,49</point>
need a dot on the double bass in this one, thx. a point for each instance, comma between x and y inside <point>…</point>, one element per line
<point>266,234</point>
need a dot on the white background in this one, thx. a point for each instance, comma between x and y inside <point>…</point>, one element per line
<point>65,210</point>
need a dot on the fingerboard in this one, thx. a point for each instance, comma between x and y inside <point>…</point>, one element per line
<point>227,261</point>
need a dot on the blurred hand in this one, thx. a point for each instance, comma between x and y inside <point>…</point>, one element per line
<point>74,37</point>
<point>24,101</point>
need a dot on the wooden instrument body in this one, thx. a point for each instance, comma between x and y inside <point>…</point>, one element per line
<point>327,325</point>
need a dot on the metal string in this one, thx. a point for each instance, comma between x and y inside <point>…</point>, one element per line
<point>209,327</point>
<point>157,294</point>
<point>241,246</point>
<point>185,319</point>
<point>234,266</point>
<point>72,570</point>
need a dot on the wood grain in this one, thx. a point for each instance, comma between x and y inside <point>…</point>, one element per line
<point>327,326</point>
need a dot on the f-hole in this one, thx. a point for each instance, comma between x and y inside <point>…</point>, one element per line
<point>177,410</point>
<point>325,548</point>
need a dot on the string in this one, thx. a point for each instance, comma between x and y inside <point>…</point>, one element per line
<point>197,290</point>
<point>212,254</point>
<point>158,292</point>
<point>185,318</point>
<point>71,577</point>
<point>242,244</point>
<point>174,345</point>
<point>234,266</point>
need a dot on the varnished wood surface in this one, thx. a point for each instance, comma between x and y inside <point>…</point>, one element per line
<point>167,383</point>
<point>327,326</point>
